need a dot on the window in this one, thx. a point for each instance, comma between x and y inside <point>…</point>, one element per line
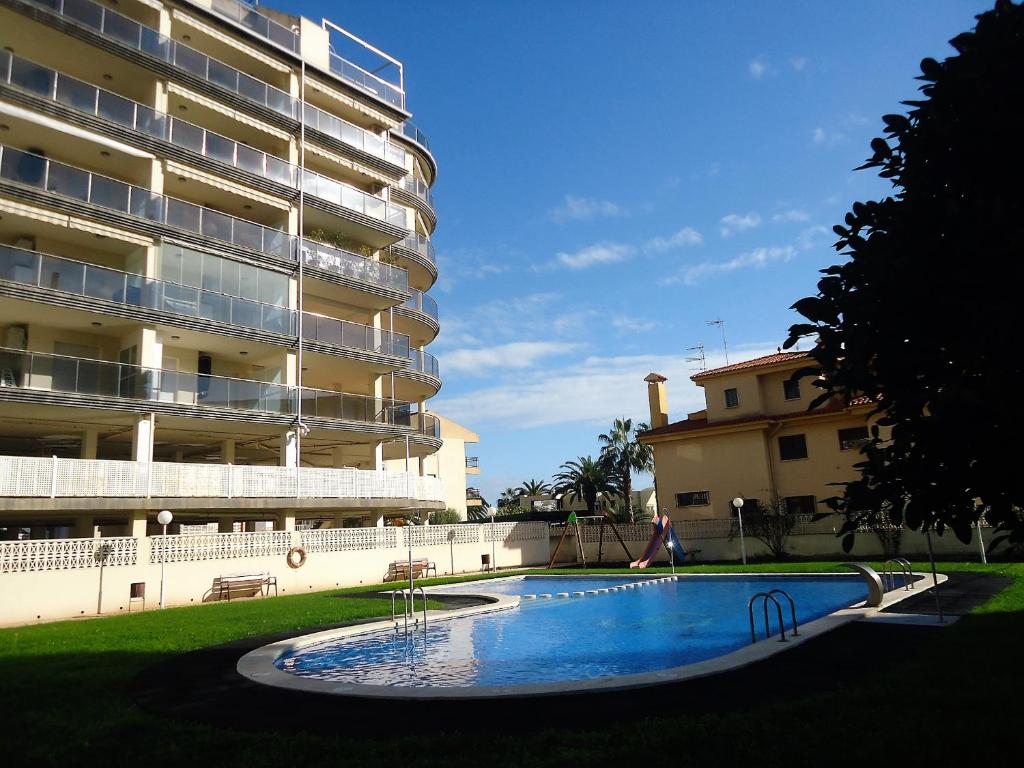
<point>793,447</point>
<point>852,437</point>
<point>750,507</point>
<point>693,499</point>
<point>732,398</point>
<point>800,505</point>
<point>791,389</point>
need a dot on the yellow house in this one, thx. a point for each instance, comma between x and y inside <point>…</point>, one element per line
<point>755,439</point>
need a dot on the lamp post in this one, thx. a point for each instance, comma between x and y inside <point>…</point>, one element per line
<point>494,554</point>
<point>451,548</point>
<point>671,556</point>
<point>164,518</point>
<point>738,504</point>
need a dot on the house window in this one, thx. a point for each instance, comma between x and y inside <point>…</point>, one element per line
<point>793,447</point>
<point>852,437</point>
<point>800,505</point>
<point>693,499</point>
<point>791,389</point>
<point>732,398</point>
<point>750,507</point>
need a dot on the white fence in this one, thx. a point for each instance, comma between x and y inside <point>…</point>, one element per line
<point>66,554</point>
<point>218,546</point>
<point>59,478</point>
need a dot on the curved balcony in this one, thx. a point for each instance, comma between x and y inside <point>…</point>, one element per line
<point>418,252</point>
<point>424,362</point>
<point>420,196</point>
<point>350,197</point>
<point>421,302</point>
<point>348,264</point>
<point>418,140</point>
<point>107,105</point>
<point>421,380</point>
<point>344,333</point>
<point>61,179</point>
<point>417,316</point>
<point>101,378</point>
<point>77,278</point>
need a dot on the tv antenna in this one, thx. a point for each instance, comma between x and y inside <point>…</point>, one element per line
<point>721,324</point>
<point>699,358</point>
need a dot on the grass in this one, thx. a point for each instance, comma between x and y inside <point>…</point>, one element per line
<point>64,700</point>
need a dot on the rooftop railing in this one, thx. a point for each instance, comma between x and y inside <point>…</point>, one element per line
<point>40,172</point>
<point>78,278</point>
<point>345,333</point>
<point>424,362</point>
<point>250,18</point>
<point>421,302</point>
<point>353,265</point>
<point>367,81</point>
<point>86,97</point>
<point>352,198</point>
<point>422,245</point>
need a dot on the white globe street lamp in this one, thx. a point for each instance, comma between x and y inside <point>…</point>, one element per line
<point>494,554</point>
<point>738,504</point>
<point>164,518</point>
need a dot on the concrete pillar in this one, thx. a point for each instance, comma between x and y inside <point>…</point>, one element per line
<point>657,399</point>
<point>338,456</point>
<point>378,521</point>
<point>90,440</point>
<point>179,456</point>
<point>85,528</point>
<point>225,525</point>
<point>377,457</point>
<point>423,466</point>
<point>137,523</point>
<point>285,521</point>
<point>142,437</point>
<point>338,521</point>
<point>227,451</point>
<point>290,448</point>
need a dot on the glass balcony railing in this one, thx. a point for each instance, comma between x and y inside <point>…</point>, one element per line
<point>246,15</point>
<point>473,493</point>
<point>87,98</point>
<point>56,273</point>
<point>353,265</point>
<point>359,138</point>
<point>345,333</point>
<point>421,302</point>
<point>59,373</point>
<point>424,362</point>
<point>472,462</point>
<point>75,375</point>
<point>422,245</point>
<point>352,198</point>
<point>129,32</point>
<point>424,424</point>
<point>40,172</point>
<point>356,75</point>
<point>413,133</point>
<point>420,189</point>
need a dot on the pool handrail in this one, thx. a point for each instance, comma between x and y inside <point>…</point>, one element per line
<point>766,596</point>
<point>876,590</point>
<point>889,573</point>
<point>792,605</point>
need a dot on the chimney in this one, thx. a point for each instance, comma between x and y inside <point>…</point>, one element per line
<point>658,400</point>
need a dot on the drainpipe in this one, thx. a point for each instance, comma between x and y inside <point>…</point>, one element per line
<point>772,431</point>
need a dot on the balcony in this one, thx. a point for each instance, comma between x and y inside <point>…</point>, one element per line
<point>368,82</point>
<point>353,265</point>
<point>424,362</point>
<point>344,333</point>
<point>76,278</point>
<point>421,302</point>
<point>263,26</point>
<point>473,497</point>
<point>472,462</point>
<point>42,173</point>
<point>411,133</point>
<point>420,245</point>
<point>352,198</point>
<point>87,98</point>
<point>354,136</point>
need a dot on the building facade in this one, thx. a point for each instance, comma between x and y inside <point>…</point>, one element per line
<point>755,439</point>
<point>215,257</point>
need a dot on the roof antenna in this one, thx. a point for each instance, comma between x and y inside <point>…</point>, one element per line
<point>721,324</point>
<point>700,358</point>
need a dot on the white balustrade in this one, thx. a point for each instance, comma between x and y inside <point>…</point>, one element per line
<point>434,535</point>
<point>349,539</point>
<point>218,546</point>
<point>66,554</point>
<point>515,531</point>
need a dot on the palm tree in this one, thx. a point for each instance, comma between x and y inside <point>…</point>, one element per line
<point>627,455</point>
<point>585,478</point>
<point>509,500</point>
<point>534,488</point>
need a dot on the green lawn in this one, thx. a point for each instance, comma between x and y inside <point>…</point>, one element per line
<point>64,702</point>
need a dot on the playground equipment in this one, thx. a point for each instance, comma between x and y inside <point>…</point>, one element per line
<point>663,533</point>
<point>574,521</point>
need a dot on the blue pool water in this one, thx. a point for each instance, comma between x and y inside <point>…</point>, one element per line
<point>662,625</point>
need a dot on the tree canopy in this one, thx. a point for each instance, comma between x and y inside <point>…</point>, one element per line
<point>627,455</point>
<point>922,316</point>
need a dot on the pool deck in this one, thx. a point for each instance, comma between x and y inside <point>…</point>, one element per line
<point>204,686</point>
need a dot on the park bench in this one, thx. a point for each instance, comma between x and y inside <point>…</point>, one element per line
<point>231,585</point>
<point>399,569</point>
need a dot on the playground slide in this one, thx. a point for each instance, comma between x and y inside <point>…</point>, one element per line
<point>651,550</point>
<point>678,553</point>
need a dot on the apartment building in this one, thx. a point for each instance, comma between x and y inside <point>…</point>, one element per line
<point>215,258</point>
<point>755,439</point>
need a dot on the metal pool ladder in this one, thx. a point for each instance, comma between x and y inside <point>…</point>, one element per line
<point>408,606</point>
<point>765,597</point>
<point>889,573</point>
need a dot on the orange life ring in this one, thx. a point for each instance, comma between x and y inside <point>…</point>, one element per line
<point>292,562</point>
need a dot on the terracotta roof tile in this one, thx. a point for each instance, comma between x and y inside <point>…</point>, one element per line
<point>757,362</point>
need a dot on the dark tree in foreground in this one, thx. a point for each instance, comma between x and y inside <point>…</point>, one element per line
<point>925,316</point>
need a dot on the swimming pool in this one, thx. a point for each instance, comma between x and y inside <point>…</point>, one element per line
<point>569,641</point>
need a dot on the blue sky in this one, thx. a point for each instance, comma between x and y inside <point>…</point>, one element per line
<point>613,175</point>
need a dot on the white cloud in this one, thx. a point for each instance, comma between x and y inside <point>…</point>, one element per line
<point>593,391</point>
<point>818,136</point>
<point>599,253</point>
<point>579,208</point>
<point>799,63</point>
<point>758,68</point>
<point>625,324</point>
<point>734,222</point>
<point>793,214</point>
<point>812,237</point>
<point>758,258</point>
<point>684,237</point>
<point>516,355</point>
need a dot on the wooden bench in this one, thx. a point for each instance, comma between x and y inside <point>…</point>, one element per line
<point>399,569</point>
<point>231,585</point>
